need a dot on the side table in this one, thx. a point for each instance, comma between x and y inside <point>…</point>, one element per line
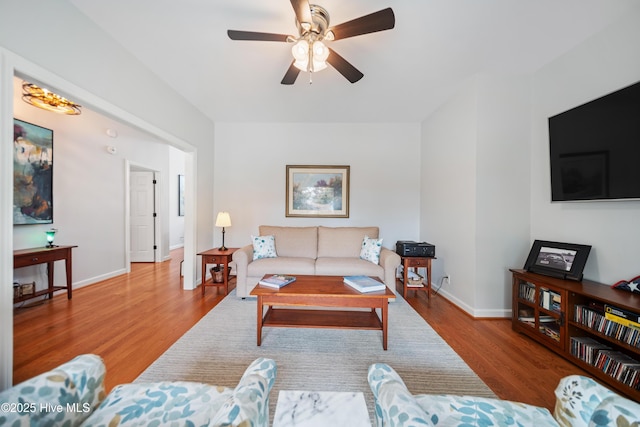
<point>216,256</point>
<point>416,262</point>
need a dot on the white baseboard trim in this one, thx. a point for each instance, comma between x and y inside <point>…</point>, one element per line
<point>476,313</point>
<point>99,278</point>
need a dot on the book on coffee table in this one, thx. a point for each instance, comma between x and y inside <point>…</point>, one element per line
<point>364,283</point>
<point>277,281</point>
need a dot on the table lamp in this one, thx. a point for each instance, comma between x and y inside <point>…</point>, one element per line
<point>51,234</point>
<point>223,220</point>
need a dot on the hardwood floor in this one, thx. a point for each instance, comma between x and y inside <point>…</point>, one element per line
<point>132,319</point>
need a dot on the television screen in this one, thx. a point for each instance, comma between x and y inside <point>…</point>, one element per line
<point>595,148</point>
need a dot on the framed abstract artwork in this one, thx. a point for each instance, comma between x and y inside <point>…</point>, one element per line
<point>317,191</point>
<point>32,174</point>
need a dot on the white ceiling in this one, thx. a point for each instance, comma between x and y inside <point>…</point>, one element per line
<point>408,71</point>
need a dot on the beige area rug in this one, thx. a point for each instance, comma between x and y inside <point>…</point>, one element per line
<point>218,349</point>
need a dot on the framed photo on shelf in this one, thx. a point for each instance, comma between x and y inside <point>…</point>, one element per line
<point>32,174</point>
<point>556,259</point>
<point>317,191</point>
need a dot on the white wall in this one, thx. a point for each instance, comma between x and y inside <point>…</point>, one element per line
<point>448,193</point>
<point>250,176</point>
<point>89,192</point>
<point>474,194</point>
<point>76,56</point>
<point>607,62</point>
<point>487,150</point>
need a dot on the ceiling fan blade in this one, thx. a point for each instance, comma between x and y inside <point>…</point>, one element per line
<point>252,35</point>
<point>343,66</point>
<point>291,75</point>
<point>378,21</point>
<point>303,10</point>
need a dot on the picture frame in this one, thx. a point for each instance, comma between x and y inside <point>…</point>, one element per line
<point>180,195</point>
<point>33,173</point>
<point>557,259</point>
<point>317,191</point>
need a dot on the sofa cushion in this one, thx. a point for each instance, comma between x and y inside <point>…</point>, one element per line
<point>264,247</point>
<point>340,242</point>
<point>281,265</point>
<point>370,249</point>
<point>347,267</point>
<point>293,241</point>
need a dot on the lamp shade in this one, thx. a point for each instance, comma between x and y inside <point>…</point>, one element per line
<point>223,219</point>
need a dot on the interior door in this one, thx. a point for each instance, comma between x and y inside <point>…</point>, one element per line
<point>142,216</point>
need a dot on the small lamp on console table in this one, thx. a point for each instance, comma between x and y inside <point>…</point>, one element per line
<point>51,234</point>
<point>223,220</point>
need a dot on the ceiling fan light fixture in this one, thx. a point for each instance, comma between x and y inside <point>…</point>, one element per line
<point>309,52</point>
<point>310,56</point>
<point>300,52</point>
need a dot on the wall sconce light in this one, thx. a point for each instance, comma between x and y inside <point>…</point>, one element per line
<point>51,234</point>
<point>223,220</point>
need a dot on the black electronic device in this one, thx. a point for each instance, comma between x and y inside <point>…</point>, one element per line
<point>411,248</point>
<point>594,148</point>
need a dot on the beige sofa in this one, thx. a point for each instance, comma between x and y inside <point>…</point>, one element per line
<point>332,251</point>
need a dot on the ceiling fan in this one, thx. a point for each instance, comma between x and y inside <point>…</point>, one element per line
<point>309,52</point>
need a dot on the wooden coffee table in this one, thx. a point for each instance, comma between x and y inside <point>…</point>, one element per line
<point>321,291</point>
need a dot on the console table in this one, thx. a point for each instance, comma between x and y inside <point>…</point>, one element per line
<point>34,256</point>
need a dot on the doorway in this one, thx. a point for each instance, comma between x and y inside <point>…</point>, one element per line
<point>142,215</point>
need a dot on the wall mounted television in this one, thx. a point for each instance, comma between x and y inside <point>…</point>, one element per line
<point>595,149</point>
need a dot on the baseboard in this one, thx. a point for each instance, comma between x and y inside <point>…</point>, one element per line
<point>99,278</point>
<point>496,313</point>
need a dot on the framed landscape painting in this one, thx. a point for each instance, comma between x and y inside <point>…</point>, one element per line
<point>317,191</point>
<point>32,174</point>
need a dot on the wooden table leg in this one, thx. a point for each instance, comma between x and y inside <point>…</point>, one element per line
<point>429,278</point>
<point>405,274</point>
<point>259,327</point>
<point>225,275</point>
<point>50,278</point>
<point>68,271</point>
<point>384,313</point>
<point>204,273</point>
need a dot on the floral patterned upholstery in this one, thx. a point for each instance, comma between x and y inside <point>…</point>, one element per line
<point>77,387</point>
<point>64,396</point>
<point>395,406</point>
<point>582,402</point>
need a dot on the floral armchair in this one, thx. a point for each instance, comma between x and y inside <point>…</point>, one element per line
<point>73,395</point>
<point>580,402</point>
